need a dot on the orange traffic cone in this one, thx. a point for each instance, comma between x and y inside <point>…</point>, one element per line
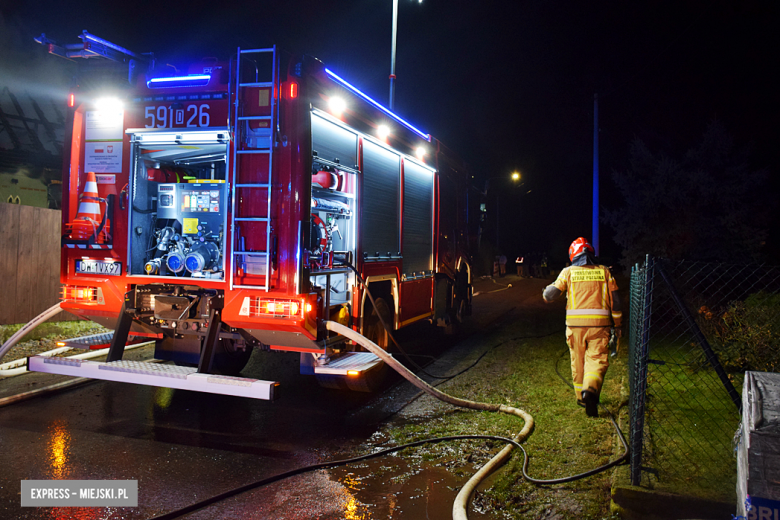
<point>89,216</point>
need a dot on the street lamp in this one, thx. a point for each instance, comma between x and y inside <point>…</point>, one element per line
<point>392,53</point>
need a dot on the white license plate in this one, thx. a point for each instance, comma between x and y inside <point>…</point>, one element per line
<point>99,267</point>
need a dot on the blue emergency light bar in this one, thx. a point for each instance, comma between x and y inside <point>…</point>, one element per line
<point>91,37</point>
<point>193,80</point>
<point>345,84</point>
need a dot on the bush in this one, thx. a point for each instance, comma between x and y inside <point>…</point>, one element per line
<point>746,336</point>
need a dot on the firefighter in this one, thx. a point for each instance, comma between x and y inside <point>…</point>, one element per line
<point>592,309</point>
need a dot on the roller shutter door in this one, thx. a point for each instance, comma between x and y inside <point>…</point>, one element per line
<point>381,202</point>
<point>418,220</point>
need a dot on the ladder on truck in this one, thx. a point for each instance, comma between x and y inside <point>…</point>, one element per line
<point>261,144</point>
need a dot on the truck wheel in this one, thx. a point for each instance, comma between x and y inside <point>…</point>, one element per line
<point>372,380</point>
<point>460,312</point>
<point>229,360</point>
<point>374,329</point>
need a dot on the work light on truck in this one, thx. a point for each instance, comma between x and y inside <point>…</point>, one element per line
<point>337,105</point>
<point>109,105</point>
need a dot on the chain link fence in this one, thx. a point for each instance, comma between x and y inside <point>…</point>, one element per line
<point>695,328</point>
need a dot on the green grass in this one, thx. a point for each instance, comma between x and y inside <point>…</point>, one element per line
<point>53,330</point>
<point>565,441</point>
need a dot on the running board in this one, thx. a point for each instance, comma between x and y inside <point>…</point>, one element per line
<point>351,363</point>
<point>153,374</point>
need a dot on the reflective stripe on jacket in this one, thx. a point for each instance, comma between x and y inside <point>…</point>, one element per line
<point>589,296</point>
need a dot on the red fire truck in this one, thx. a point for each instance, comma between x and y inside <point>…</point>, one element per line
<point>242,203</point>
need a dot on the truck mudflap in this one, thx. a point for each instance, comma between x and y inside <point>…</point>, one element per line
<point>155,374</point>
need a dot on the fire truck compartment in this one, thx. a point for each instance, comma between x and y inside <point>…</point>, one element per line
<point>179,204</point>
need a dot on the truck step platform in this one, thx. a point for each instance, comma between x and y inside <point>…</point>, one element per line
<point>352,364</point>
<point>103,340</point>
<point>153,374</point>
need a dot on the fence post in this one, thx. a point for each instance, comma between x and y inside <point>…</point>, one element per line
<point>639,392</point>
<point>712,358</point>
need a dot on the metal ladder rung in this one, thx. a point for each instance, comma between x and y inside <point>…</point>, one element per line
<point>254,51</point>
<point>251,219</point>
<point>252,185</point>
<point>251,253</point>
<point>254,118</point>
<point>261,84</point>
<point>244,152</point>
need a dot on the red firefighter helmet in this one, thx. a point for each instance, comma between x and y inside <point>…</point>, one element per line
<point>578,247</point>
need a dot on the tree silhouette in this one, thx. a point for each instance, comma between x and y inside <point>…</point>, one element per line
<point>710,205</point>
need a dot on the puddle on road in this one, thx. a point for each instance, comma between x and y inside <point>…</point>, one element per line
<point>396,488</point>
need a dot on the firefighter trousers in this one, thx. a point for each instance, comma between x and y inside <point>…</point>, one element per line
<point>589,350</point>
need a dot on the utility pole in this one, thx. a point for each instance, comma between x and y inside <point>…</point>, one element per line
<point>595,233</point>
<point>392,55</point>
<point>498,221</point>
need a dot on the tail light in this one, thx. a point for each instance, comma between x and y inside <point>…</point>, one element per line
<point>79,294</point>
<point>262,307</point>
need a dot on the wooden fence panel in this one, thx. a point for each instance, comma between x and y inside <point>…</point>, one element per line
<point>29,262</point>
<point>9,244</point>
<point>26,261</point>
<point>50,250</point>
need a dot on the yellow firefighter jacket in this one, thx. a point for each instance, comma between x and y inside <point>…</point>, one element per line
<point>589,296</point>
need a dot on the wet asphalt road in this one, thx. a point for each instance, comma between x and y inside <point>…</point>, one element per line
<point>183,447</point>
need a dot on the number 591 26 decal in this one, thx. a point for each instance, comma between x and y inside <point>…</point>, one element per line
<point>191,116</point>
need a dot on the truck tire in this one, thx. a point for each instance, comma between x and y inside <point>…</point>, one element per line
<point>374,379</point>
<point>229,360</point>
<point>374,329</point>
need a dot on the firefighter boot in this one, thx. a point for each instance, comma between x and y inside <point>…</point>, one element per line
<point>591,400</point>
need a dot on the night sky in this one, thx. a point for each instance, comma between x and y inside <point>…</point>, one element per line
<point>508,85</point>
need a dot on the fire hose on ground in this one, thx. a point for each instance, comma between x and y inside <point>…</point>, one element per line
<point>461,500</point>
<point>459,509</point>
<point>28,327</point>
<point>18,367</point>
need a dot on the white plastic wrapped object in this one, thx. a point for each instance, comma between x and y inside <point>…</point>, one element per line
<point>758,451</point>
